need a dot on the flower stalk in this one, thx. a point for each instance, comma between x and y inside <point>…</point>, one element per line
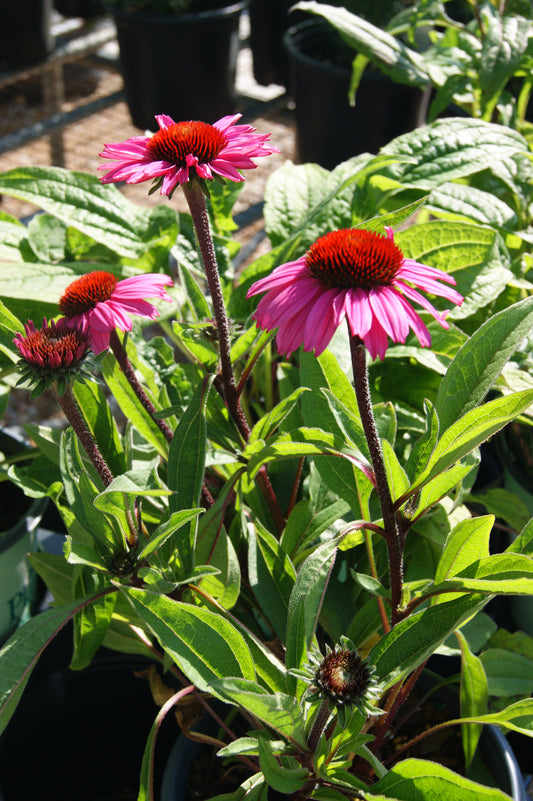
<point>390,523</point>
<point>119,352</point>
<point>197,206</point>
<point>68,403</point>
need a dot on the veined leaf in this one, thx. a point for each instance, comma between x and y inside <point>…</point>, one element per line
<point>418,778</point>
<point>480,361</point>
<point>468,432</point>
<point>204,645</point>
<point>279,711</point>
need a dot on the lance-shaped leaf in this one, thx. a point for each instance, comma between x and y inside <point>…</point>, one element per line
<point>271,575</point>
<point>186,464</point>
<point>418,778</point>
<point>468,432</point>
<point>20,653</point>
<point>271,421</point>
<point>502,574</point>
<point>414,639</point>
<point>302,442</point>
<point>466,544</point>
<point>306,601</point>
<point>279,711</point>
<point>473,696</point>
<point>204,645</point>
<point>133,411</point>
<point>283,779</point>
<point>480,361</point>
<point>392,56</point>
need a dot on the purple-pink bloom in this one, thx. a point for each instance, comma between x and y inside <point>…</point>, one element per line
<point>53,346</point>
<point>181,151</point>
<point>98,303</point>
<point>352,273</point>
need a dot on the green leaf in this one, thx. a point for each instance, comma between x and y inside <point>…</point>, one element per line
<point>452,148</point>
<point>278,711</point>
<point>470,431</point>
<point>508,673</point>
<point>504,504</point>
<point>186,460</point>
<point>79,199</point>
<point>167,529</point>
<point>307,522</point>
<point>204,645</point>
<point>286,780</point>
<point>466,544</point>
<point>133,411</point>
<point>306,601</point>
<point>271,575</point>
<point>56,573</point>
<point>415,779</point>
<point>186,464</point>
<point>480,361</point>
<point>100,422</point>
<point>91,622</point>
<point>502,574</point>
<point>271,421</point>
<point>397,478</point>
<point>473,696</point>
<point>414,639</point>
<point>472,204</point>
<point>195,296</point>
<point>20,653</point>
<point>290,193</point>
<point>392,56</point>
<point>504,41</point>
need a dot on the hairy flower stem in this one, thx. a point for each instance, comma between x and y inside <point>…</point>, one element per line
<point>318,726</point>
<point>72,413</point>
<point>125,365</point>
<point>197,206</point>
<point>392,532</point>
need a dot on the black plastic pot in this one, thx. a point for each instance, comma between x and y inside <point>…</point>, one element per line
<point>83,733</point>
<point>19,586</point>
<point>496,751</point>
<point>328,129</point>
<point>86,9</point>
<point>181,65</point>
<point>25,33</point>
<point>269,19</point>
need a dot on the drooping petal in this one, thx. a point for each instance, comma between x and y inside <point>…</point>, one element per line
<point>389,313</point>
<point>359,312</point>
<point>354,273</point>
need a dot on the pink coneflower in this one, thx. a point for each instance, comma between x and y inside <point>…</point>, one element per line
<point>98,303</point>
<point>351,273</point>
<point>181,151</point>
<point>55,353</point>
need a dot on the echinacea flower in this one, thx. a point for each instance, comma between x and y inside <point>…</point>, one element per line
<point>352,273</point>
<point>181,151</point>
<point>343,678</point>
<point>56,353</point>
<point>98,303</point>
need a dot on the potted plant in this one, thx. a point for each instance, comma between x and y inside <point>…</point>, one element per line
<point>19,589</point>
<point>179,56</point>
<point>26,36</point>
<point>280,520</point>
<point>475,59</point>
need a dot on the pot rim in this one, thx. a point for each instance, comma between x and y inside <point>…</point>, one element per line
<point>188,17</point>
<point>292,36</point>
